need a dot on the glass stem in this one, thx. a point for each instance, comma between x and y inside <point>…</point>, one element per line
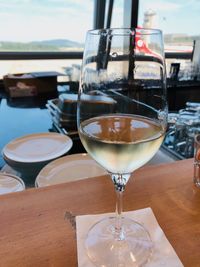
<point>119,182</point>
<point>119,209</point>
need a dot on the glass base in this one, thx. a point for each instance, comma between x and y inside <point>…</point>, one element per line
<point>132,247</point>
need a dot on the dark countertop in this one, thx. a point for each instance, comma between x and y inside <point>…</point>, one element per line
<point>28,115</point>
<point>20,117</point>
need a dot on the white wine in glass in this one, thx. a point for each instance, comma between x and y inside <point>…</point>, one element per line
<point>122,119</point>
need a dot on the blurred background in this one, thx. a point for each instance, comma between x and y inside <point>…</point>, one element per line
<point>43,41</point>
<point>49,35</point>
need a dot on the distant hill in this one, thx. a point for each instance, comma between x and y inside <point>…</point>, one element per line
<point>58,43</point>
<point>180,38</point>
<point>45,45</point>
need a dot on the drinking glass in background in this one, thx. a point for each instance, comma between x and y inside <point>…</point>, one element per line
<point>183,126</point>
<point>123,74</point>
<point>197,160</point>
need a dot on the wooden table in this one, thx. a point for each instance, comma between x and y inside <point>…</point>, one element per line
<point>35,226</point>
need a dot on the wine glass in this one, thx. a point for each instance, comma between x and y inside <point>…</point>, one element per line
<point>122,118</point>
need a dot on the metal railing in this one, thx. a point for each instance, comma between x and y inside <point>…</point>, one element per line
<point>72,55</point>
<point>40,55</point>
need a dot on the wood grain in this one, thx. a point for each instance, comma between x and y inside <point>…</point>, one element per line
<point>36,226</point>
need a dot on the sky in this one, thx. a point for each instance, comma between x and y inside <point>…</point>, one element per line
<point>31,20</point>
<point>174,16</point>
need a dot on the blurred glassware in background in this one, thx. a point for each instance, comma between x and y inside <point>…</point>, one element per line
<point>183,126</point>
<point>73,72</point>
<point>174,70</point>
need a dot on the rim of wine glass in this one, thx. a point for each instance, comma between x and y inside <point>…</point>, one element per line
<point>125,31</point>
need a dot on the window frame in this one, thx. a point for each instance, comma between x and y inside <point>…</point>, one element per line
<point>99,21</point>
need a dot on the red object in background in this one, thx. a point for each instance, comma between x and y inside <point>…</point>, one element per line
<point>141,46</point>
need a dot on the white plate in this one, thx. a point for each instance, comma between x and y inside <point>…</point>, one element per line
<point>69,168</point>
<point>10,183</point>
<point>37,147</point>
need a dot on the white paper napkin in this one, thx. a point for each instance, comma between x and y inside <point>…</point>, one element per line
<point>163,254</point>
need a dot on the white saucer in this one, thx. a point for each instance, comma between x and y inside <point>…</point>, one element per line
<point>10,183</point>
<point>69,168</point>
<point>37,147</point>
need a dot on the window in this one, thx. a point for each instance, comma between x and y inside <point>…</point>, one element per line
<point>48,25</point>
<point>43,26</point>
<point>179,22</point>
<point>59,26</point>
<point>177,19</point>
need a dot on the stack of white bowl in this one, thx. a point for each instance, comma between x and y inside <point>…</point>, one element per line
<point>64,115</point>
<point>28,154</point>
<point>63,110</point>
